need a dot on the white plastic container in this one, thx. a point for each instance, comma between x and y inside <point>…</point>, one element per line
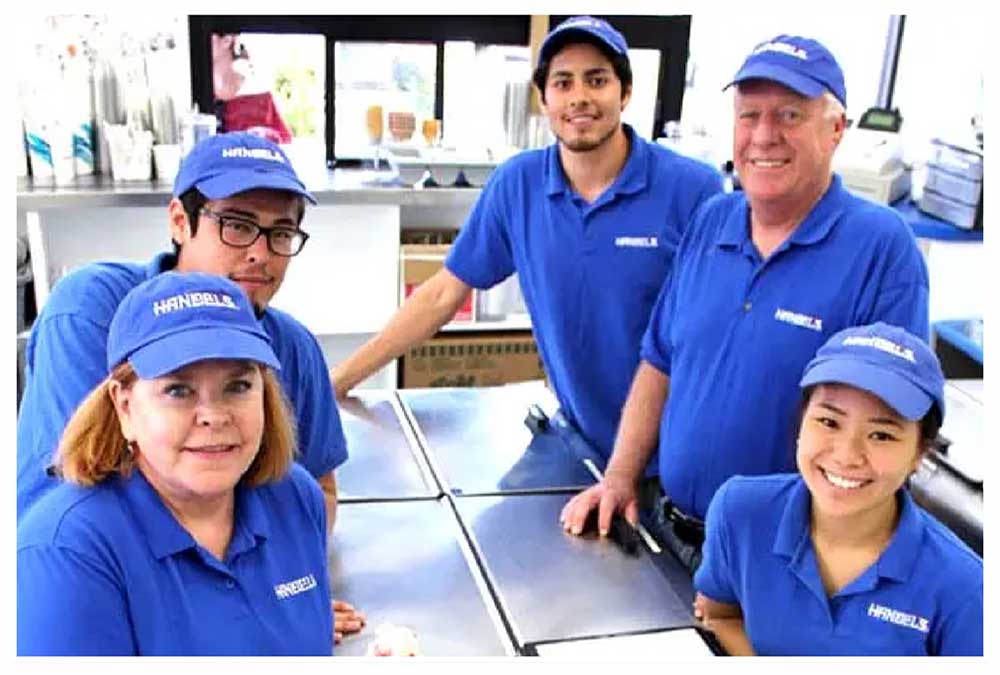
<point>166,161</point>
<point>131,152</point>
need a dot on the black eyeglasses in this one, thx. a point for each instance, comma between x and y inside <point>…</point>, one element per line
<point>242,233</point>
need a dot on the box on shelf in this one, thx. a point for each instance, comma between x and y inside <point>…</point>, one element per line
<point>472,361</point>
<point>418,263</point>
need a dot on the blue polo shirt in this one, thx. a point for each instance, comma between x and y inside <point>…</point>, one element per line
<point>108,570</point>
<point>734,332</point>
<point>923,596</point>
<point>66,357</point>
<point>589,272</point>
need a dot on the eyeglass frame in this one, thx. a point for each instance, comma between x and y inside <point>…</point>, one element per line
<point>261,230</point>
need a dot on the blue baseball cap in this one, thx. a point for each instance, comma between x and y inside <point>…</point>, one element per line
<point>598,28</point>
<point>885,360</point>
<point>178,318</point>
<point>801,64</point>
<point>226,164</point>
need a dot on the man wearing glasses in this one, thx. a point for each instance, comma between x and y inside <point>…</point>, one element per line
<point>236,211</point>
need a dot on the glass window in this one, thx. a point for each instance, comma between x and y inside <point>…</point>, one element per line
<point>487,89</point>
<point>939,80</point>
<point>641,110</point>
<point>719,43</point>
<point>486,94</point>
<point>399,78</point>
<point>271,83</point>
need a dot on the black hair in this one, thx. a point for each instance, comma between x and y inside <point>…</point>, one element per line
<point>930,423</point>
<point>192,200</point>
<point>619,62</point>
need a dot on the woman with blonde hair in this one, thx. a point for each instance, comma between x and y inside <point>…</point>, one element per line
<point>183,526</point>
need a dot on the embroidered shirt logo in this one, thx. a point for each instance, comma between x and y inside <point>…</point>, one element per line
<point>253,153</point>
<point>887,346</point>
<point>636,242</point>
<point>187,300</point>
<point>894,616</point>
<point>796,319</point>
<point>294,587</point>
<point>783,48</point>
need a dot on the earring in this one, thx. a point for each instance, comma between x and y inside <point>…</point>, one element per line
<point>131,448</point>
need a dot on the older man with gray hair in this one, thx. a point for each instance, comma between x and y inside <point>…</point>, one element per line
<point>762,278</point>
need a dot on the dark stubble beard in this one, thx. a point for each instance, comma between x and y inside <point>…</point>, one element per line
<point>583,145</point>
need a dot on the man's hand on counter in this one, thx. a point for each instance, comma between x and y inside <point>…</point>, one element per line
<point>339,383</point>
<point>613,494</point>
<point>346,620</point>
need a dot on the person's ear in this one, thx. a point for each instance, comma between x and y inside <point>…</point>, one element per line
<point>839,126</point>
<point>121,398</point>
<point>626,97</point>
<point>180,228</point>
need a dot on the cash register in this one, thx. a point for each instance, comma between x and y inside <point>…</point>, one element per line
<point>870,157</point>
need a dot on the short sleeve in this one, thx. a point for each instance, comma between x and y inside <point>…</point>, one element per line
<point>67,360</point>
<point>69,605</point>
<point>322,446</point>
<point>656,348</point>
<point>902,298</point>
<point>714,577</point>
<point>961,632</point>
<point>482,255</point>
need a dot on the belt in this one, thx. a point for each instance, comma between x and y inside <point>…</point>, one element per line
<point>688,529</point>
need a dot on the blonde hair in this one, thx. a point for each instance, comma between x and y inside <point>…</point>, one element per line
<point>93,447</point>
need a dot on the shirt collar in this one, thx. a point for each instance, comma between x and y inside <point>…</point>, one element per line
<point>167,537</point>
<point>794,523</point>
<point>900,558</point>
<point>632,178</point>
<point>813,229</point>
<point>897,561</point>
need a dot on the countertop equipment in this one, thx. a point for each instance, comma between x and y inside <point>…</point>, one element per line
<point>870,157</point>
<point>435,167</point>
<point>953,190</point>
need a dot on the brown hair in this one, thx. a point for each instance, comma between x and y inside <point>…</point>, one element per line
<point>93,448</point>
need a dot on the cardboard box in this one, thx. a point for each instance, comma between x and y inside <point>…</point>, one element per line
<point>418,263</point>
<point>472,361</point>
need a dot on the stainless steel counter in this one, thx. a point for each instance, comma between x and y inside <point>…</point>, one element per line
<point>407,563</point>
<point>476,441</point>
<point>384,461</point>
<point>342,186</point>
<point>554,586</point>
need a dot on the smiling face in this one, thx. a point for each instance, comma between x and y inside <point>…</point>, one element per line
<point>854,453</point>
<point>197,429</point>
<point>256,269</point>
<point>783,143</point>
<point>583,98</point>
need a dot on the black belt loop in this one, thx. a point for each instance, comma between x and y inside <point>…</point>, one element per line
<point>688,529</point>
